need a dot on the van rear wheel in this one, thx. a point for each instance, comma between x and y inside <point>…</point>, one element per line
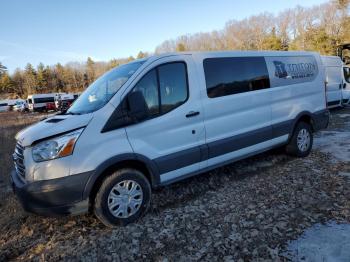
<point>123,197</point>
<point>300,144</point>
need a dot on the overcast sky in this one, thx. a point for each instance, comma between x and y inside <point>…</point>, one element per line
<point>61,31</point>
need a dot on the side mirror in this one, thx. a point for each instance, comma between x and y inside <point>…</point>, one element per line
<point>138,108</point>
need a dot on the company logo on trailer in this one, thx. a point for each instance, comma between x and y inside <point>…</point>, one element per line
<point>294,71</point>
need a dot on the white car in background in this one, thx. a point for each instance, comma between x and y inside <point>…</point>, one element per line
<point>4,106</point>
<point>20,106</point>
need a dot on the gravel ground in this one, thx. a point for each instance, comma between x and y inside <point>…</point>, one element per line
<point>247,211</point>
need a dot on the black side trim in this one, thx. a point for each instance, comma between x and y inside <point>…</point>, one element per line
<point>178,160</point>
<point>334,103</point>
<point>240,141</point>
<point>282,128</point>
<point>168,182</point>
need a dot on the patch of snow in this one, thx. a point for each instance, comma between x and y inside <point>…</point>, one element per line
<point>343,115</point>
<point>345,174</point>
<point>328,243</point>
<point>336,143</point>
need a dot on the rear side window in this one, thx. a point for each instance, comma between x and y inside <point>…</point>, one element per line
<point>4,104</point>
<point>164,87</point>
<point>234,75</point>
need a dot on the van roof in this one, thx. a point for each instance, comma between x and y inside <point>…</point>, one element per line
<point>203,54</point>
<point>332,61</point>
<point>41,95</point>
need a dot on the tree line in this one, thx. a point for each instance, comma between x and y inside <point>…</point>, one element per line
<point>73,77</point>
<point>319,28</point>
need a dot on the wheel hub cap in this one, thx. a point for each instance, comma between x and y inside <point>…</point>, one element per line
<point>303,140</point>
<point>125,199</point>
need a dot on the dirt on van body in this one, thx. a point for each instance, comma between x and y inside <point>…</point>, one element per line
<point>245,211</point>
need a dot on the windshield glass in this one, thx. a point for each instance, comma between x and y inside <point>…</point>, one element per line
<point>103,89</point>
<point>347,74</point>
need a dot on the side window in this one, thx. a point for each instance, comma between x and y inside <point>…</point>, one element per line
<point>234,75</point>
<point>173,86</point>
<point>149,87</point>
<point>164,87</point>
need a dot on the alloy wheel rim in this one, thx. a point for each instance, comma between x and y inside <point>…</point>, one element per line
<point>303,140</point>
<point>125,199</point>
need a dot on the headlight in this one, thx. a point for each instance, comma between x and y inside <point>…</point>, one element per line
<point>56,147</point>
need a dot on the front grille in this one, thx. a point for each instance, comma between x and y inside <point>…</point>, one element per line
<point>18,159</point>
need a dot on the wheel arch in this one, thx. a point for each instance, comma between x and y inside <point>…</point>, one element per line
<point>139,162</point>
<point>304,116</point>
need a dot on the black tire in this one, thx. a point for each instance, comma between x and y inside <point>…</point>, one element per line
<point>292,148</point>
<point>101,208</point>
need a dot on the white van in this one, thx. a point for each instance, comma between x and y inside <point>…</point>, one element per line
<point>162,119</point>
<point>4,106</point>
<point>38,102</point>
<point>337,93</point>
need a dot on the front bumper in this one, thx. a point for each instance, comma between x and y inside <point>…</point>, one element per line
<point>60,196</point>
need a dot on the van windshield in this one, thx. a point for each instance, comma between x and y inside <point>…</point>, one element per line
<point>103,89</point>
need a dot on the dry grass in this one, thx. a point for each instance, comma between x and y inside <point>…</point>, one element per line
<point>10,124</point>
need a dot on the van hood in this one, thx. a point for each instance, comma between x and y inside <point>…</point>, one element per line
<point>52,126</point>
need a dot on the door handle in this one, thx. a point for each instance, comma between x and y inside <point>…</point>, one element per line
<point>192,114</point>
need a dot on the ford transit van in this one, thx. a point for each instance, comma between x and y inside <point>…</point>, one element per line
<point>162,119</point>
<point>334,78</point>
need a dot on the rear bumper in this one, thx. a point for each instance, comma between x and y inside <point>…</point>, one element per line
<point>320,120</point>
<point>61,196</point>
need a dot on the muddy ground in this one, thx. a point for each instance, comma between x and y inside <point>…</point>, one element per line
<point>247,211</point>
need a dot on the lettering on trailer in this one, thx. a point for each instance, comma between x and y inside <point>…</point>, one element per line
<point>294,71</point>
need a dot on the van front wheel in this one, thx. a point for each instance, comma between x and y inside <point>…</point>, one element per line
<point>123,197</point>
<point>301,142</point>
